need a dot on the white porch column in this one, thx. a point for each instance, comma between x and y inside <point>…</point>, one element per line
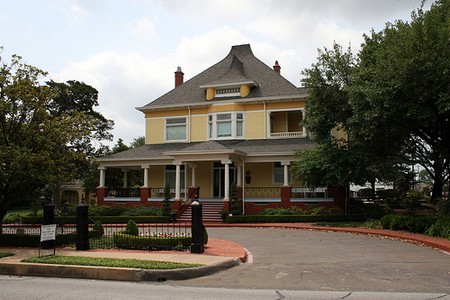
<point>146,168</point>
<point>177,182</point>
<point>102,176</point>
<point>227,181</point>
<point>125,178</point>
<point>286,173</point>
<point>239,174</point>
<point>193,176</point>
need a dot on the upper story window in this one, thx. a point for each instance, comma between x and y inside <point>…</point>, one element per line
<point>226,126</point>
<point>176,129</point>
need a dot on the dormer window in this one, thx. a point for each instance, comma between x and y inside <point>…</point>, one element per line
<point>228,92</point>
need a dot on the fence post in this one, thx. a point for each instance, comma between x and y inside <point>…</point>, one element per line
<point>48,218</point>
<point>82,242</point>
<point>197,228</point>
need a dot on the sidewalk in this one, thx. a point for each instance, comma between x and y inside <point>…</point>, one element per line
<point>219,255</point>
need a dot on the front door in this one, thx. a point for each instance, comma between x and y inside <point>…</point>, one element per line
<point>219,180</point>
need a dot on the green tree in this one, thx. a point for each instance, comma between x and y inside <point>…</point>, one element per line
<point>392,101</point>
<point>165,202</point>
<point>71,97</point>
<point>400,91</point>
<point>34,151</point>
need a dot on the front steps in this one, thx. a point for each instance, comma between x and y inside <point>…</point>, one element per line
<point>211,212</point>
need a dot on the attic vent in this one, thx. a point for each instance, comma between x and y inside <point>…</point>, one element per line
<point>228,92</point>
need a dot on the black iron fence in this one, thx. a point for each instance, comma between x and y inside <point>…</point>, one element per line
<point>162,236</point>
<point>28,235</point>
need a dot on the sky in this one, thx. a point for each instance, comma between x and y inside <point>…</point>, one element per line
<point>129,49</point>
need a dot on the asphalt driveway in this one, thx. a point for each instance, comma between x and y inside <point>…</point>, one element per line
<point>329,261</point>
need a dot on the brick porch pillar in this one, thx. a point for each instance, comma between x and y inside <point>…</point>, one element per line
<point>145,194</point>
<point>101,194</point>
<point>286,194</point>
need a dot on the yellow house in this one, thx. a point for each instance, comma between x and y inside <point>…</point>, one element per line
<point>239,121</point>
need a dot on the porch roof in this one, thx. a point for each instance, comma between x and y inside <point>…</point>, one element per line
<point>245,148</point>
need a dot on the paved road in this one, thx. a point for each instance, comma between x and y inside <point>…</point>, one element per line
<point>36,288</point>
<point>327,261</point>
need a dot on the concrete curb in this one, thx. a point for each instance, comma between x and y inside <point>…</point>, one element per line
<point>107,273</point>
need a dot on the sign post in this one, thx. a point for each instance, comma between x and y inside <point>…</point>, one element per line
<point>48,233</point>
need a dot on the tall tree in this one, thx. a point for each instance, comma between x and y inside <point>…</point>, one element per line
<point>77,97</point>
<point>34,150</point>
<point>401,91</point>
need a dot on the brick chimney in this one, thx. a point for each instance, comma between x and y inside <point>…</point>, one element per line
<point>277,67</point>
<point>179,77</point>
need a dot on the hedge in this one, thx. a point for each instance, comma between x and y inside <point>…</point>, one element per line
<point>27,240</point>
<point>408,222</point>
<point>103,219</point>
<point>299,218</point>
<point>128,241</point>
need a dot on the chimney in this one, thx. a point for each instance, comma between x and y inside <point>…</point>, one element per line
<point>178,77</point>
<point>277,67</point>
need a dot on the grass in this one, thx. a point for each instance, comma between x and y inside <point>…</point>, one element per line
<point>5,254</point>
<point>109,262</point>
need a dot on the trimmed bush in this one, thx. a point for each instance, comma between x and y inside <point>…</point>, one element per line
<point>127,241</point>
<point>298,218</point>
<point>12,218</point>
<point>132,228</point>
<point>143,211</point>
<point>106,210</point>
<point>103,219</point>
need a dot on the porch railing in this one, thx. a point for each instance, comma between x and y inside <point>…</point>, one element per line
<point>262,192</point>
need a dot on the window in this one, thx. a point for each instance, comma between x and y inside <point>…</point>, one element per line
<point>223,125</point>
<point>278,173</point>
<point>176,129</point>
<point>226,126</point>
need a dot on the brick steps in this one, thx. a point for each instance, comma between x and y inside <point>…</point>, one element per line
<point>211,212</point>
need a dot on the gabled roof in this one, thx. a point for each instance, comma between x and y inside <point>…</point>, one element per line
<point>238,66</point>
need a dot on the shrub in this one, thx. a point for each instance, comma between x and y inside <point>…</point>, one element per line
<point>440,228</point>
<point>131,228</point>
<point>166,203</point>
<point>444,207</point>
<point>143,211</point>
<point>12,218</point>
<point>127,241</point>
<point>106,210</point>
<point>97,230</point>
<point>407,222</point>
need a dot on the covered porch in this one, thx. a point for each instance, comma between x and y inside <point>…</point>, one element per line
<point>206,170</point>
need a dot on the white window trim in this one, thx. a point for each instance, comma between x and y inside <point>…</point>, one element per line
<point>213,129</point>
<point>186,129</point>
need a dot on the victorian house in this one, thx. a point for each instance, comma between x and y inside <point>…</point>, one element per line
<point>239,121</point>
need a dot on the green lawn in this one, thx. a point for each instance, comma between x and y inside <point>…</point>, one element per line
<point>109,262</point>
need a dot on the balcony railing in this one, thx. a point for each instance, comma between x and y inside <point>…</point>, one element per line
<point>282,135</point>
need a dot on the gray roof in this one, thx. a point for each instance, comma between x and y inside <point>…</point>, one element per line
<point>246,148</point>
<point>240,65</point>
